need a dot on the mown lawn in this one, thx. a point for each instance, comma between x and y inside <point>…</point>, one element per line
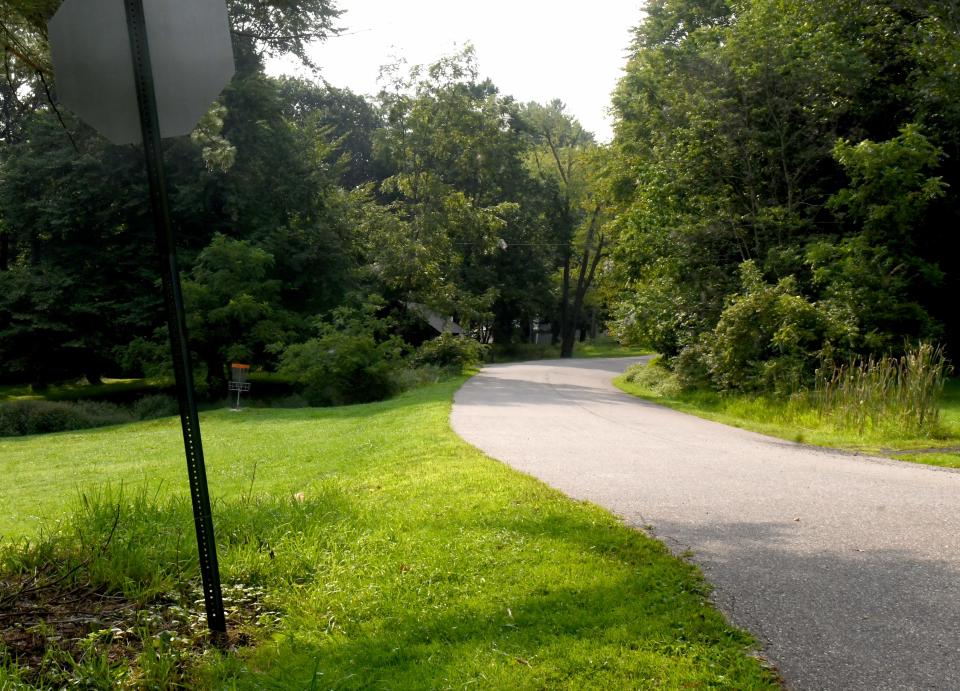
<point>395,555</point>
<point>779,418</point>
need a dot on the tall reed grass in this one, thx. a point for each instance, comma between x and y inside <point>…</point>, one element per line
<point>885,393</point>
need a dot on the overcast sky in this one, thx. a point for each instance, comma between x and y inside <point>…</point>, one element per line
<point>534,50</point>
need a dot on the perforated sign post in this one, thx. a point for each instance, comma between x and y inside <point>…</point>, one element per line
<point>139,70</point>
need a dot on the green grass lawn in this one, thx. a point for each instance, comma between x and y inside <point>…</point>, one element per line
<point>778,418</point>
<point>78,389</point>
<point>395,555</point>
<point>602,346</point>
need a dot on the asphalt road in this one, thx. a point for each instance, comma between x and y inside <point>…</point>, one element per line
<point>846,568</point>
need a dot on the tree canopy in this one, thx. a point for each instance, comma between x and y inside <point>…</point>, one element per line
<point>812,139</point>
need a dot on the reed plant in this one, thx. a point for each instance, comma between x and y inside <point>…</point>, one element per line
<point>884,393</point>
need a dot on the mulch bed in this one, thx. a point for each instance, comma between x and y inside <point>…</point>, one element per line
<point>49,623</point>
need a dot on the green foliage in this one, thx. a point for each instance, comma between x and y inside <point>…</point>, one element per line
<point>874,414</point>
<point>885,393</point>
<point>24,417</point>
<point>890,186</point>
<point>872,289</point>
<point>460,227</point>
<point>657,377</point>
<point>19,418</point>
<point>78,279</point>
<point>352,121</point>
<point>875,274</point>
<point>233,305</point>
<point>278,27</point>
<point>154,406</point>
<point>811,138</point>
<point>353,360</point>
<point>768,337</point>
<point>450,351</point>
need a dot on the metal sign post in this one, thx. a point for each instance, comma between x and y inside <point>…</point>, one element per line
<point>102,59</point>
<point>183,372</point>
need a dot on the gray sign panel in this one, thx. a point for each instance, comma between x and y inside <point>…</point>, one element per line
<point>190,50</point>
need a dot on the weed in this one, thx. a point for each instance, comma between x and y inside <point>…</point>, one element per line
<point>907,404</point>
<point>876,393</point>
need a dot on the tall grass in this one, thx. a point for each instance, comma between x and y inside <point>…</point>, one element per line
<point>884,393</point>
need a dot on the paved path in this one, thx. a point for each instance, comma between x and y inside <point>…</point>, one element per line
<point>847,569</point>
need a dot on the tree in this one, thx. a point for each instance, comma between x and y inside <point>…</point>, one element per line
<point>561,154</point>
<point>283,26</point>
<point>234,308</point>
<point>726,150</point>
<point>460,229</point>
<point>350,120</point>
<point>76,226</point>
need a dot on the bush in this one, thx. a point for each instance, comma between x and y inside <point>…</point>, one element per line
<point>291,401</point>
<point>655,376</point>
<point>769,337</point>
<point>155,406</point>
<point>407,378</point>
<point>18,418</point>
<point>450,351</point>
<point>347,363</point>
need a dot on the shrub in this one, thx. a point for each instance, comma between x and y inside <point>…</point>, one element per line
<point>450,351</point>
<point>769,337</point>
<point>406,378</point>
<point>348,363</point>
<point>155,406</point>
<point>655,376</point>
<point>18,418</point>
<point>690,367</point>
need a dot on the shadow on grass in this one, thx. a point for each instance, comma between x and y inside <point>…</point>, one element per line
<point>568,637</point>
<point>621,613</point>
<point>434,394</point>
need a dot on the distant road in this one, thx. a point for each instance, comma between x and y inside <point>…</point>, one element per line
<point>846,568</point>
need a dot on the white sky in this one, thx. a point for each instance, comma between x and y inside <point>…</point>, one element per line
<point>534,50</point>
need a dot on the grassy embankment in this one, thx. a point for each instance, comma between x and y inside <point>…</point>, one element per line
<point>785,419</point>
<point>394,554</point>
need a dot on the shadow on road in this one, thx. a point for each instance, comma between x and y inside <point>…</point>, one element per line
<point>883,618</point>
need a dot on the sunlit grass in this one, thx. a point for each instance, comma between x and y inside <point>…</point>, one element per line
<point>602,346</point>
<point>781,417</point>
<point>66,391</point>
<point>397,555</point>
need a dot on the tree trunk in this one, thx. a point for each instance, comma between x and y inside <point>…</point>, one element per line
<point>568,336</point>
<point>584,279</point>
<point>4,251</point>
<point>526,329</point>
<point>557,331</point>
<point>216,377</point>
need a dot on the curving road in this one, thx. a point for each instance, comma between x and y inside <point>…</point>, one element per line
<point>846,568</point>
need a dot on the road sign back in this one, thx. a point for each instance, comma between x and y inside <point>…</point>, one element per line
<point>190,50</point>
